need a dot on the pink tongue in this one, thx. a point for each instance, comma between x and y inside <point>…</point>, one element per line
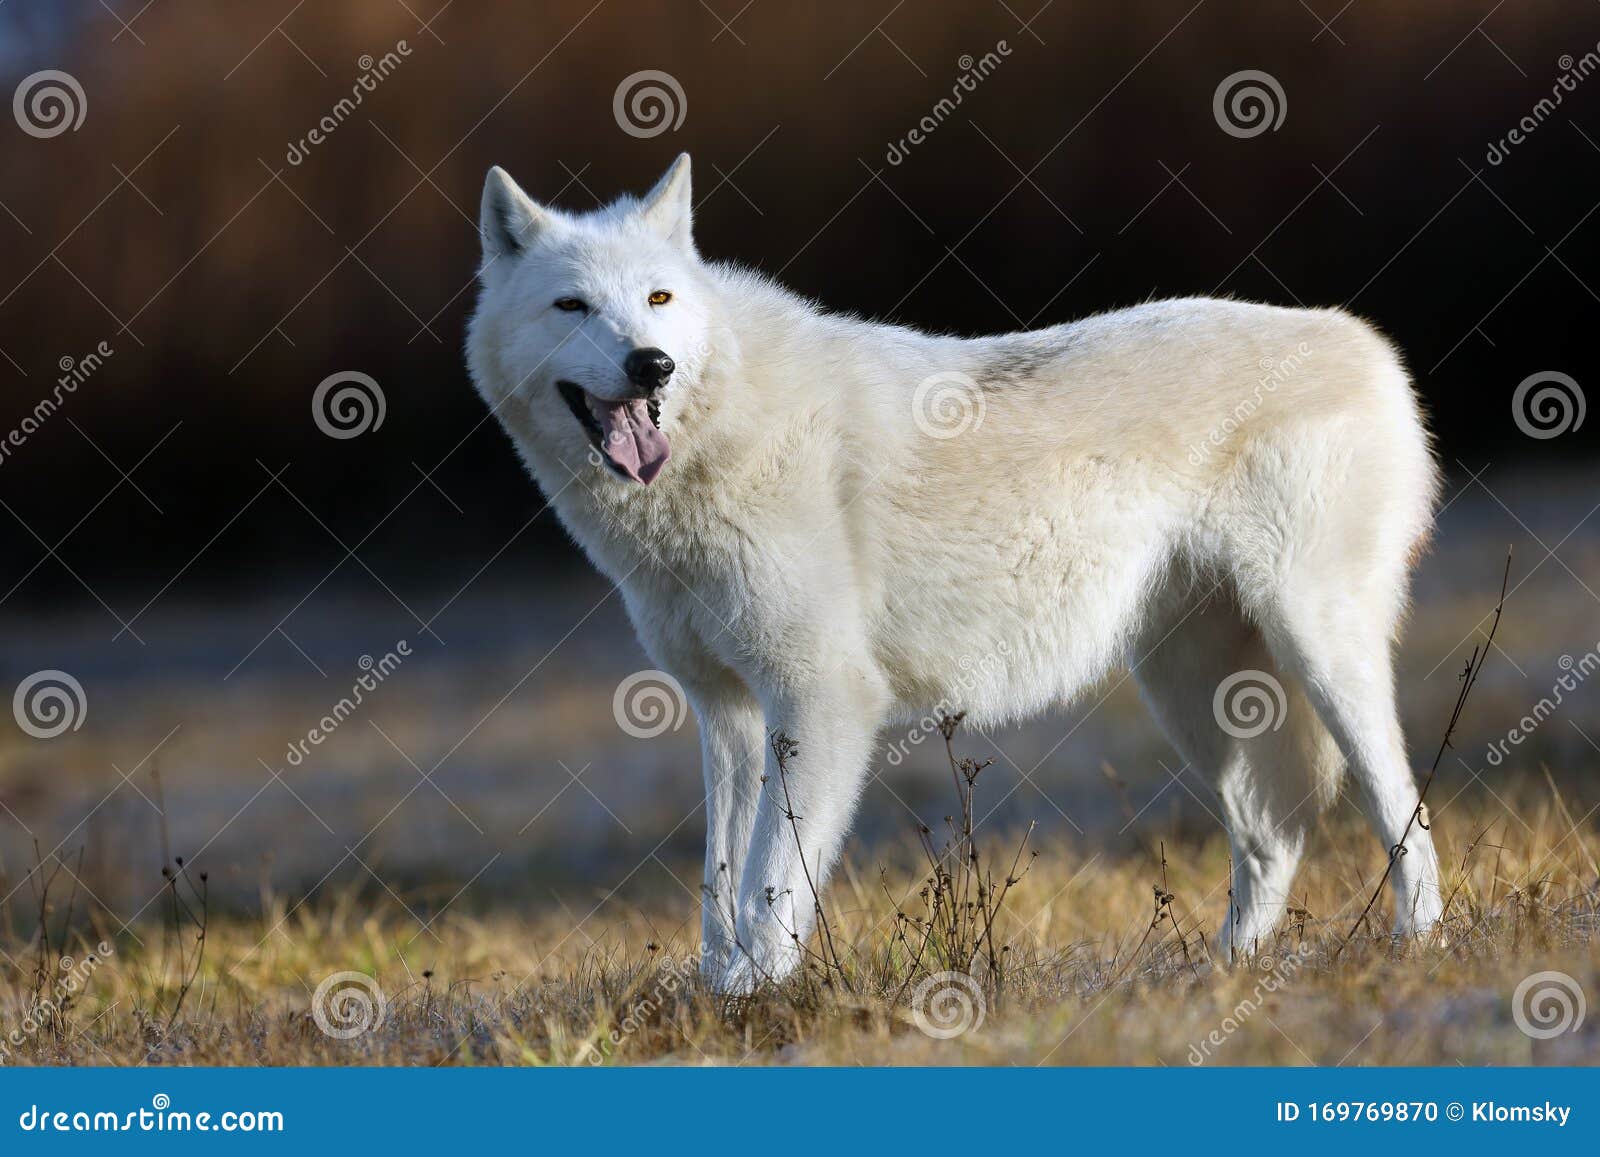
<point>629,438</point>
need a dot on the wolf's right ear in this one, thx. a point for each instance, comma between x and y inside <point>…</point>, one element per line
<point>509,218</point>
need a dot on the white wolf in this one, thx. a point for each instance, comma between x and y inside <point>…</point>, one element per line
<point>819,523</point>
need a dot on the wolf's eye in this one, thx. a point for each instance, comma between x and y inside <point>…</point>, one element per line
<point>660,297</point>
<point>572,305</point>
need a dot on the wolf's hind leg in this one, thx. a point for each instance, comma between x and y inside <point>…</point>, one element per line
<point>1226,707</point>
<point>1342,650</point>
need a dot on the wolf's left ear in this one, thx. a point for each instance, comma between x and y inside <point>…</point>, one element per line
<point>667,207</point>
<point>508,218</point>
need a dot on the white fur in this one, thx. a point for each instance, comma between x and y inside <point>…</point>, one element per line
<point>1141,490</point>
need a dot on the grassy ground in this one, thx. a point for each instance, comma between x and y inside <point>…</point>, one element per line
<point>444,846</point>
<point>1098,959</point>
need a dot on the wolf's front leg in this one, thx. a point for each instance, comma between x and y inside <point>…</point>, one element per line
<point>733,746</point>
<point>801,821</point>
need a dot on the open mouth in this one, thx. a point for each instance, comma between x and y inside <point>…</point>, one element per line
<point>627,433</point>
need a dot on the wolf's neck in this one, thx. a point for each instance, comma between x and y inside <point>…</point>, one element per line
<point>792,345</point>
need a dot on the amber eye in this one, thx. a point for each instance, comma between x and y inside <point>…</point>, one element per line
<point>660,297</point>
<point>572,305</point>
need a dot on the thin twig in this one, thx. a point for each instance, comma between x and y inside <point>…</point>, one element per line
<point>1469,679</point>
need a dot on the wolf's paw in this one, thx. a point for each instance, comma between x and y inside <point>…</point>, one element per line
<point>1420,915</point>
<point>737,978</point>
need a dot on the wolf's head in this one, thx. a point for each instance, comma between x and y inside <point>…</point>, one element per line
<point>593,329</point>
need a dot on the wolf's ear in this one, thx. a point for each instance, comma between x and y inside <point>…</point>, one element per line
<point>509,218</point>
<point>668,208</point>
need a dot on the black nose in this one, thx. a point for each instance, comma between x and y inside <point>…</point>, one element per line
<point>648,368</point>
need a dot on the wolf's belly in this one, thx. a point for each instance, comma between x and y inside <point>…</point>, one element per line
<point>1015,643</point>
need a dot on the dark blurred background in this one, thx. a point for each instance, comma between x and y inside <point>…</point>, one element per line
<point>1086,171</point>
<point>183,538</point>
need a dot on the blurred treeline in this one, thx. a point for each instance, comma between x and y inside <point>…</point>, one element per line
<point>240,291</point>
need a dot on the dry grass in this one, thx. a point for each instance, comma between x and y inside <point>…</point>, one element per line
<point>1091,959</point>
